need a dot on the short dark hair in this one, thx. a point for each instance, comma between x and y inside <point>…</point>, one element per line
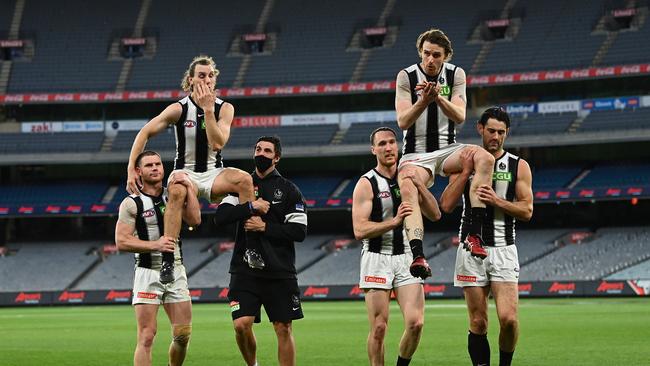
<point>435,36</point>
<point>372,135</point>
<point>498,113</point>
<point>145,153</point>
<point>275,140</point>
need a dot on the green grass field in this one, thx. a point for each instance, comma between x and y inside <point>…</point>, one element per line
<point>553,332</point>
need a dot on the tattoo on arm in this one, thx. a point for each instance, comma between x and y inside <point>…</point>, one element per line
<point>419,234</point>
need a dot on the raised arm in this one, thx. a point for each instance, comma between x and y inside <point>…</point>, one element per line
<point>455,107</point>
<point>217,128</point>
<point>170,115</point>
<point>407,112</point>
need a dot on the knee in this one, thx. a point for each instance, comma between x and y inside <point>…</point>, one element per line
<point>182,334</point>
<point>242,327</point>
<point>146,337</point>
<point>379,329</point>
<point>483,158</point>
<point>478,324</point>
<point>414,326</point>
<point>509,322</point>
<point>176,192</point>
<point>282,330</point>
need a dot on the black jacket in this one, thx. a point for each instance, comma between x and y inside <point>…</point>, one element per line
<point>286,223</point>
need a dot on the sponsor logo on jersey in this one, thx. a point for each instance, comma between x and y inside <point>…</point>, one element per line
<point>234,306</point>
<point>190,124</point>
<point>149,213</point>
<point>383,194</point>
<point>502,176</point>
<point>466,278</point>
<point>375,279</point>
<point>445,90</point>
<point>147,295</point>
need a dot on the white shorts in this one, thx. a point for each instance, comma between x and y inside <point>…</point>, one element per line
<point>147,288</point>
<point>203,181</point>
<point>501,265</point>
<point>432,161</point>
<point>385,271</point>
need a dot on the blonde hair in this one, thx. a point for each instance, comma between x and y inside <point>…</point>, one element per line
<point>435,36</point>
<point>198,60</point>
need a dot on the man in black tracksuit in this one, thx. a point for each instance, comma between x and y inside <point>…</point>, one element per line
<point>279,215</point>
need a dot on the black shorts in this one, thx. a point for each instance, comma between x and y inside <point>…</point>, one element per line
<point>280,297</point>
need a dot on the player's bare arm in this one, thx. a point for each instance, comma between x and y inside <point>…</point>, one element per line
<point>522,208</point>
<point>127,242</point>
<point>361,209</point>
<point>407,112</point>
<point>158,124</point>
<point>218,133</point>
<point>455,108</point>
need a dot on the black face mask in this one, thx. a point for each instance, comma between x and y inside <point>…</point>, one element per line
<point>262,163</point>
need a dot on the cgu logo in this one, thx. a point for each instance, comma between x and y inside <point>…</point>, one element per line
<point>190,124</point>
<point>149,213</point>
<point>72,296</point>
<point>562,287</point>
<point>317,291</point>
<point>383,194</point>
<point>505,176</point>
<point>23,297</point>
<point>445,90</point>
<point>609,286</point>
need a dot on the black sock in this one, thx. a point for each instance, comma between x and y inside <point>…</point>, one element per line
<point>505,358</point>
<point>479,349</point>
<point>403,361</point>
<point>416,248</point>
<point>476,220</point>
<point>168,257</point>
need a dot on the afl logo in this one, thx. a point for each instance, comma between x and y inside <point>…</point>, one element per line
<point>149,213</point>
<point>383,194</point>
<point>190,124</point>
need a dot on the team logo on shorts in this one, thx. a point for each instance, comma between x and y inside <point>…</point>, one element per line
<point>149,213</point>
<point>147,295</point>
<point>295,302</point>
<point>190,124</point>
<point>234,306</point>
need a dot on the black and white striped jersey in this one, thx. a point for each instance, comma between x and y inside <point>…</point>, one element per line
<point>498,227</point>
<point>432,130</point>
<point>192,149</point>
<point>149,225</point>
<point>386,199</point>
